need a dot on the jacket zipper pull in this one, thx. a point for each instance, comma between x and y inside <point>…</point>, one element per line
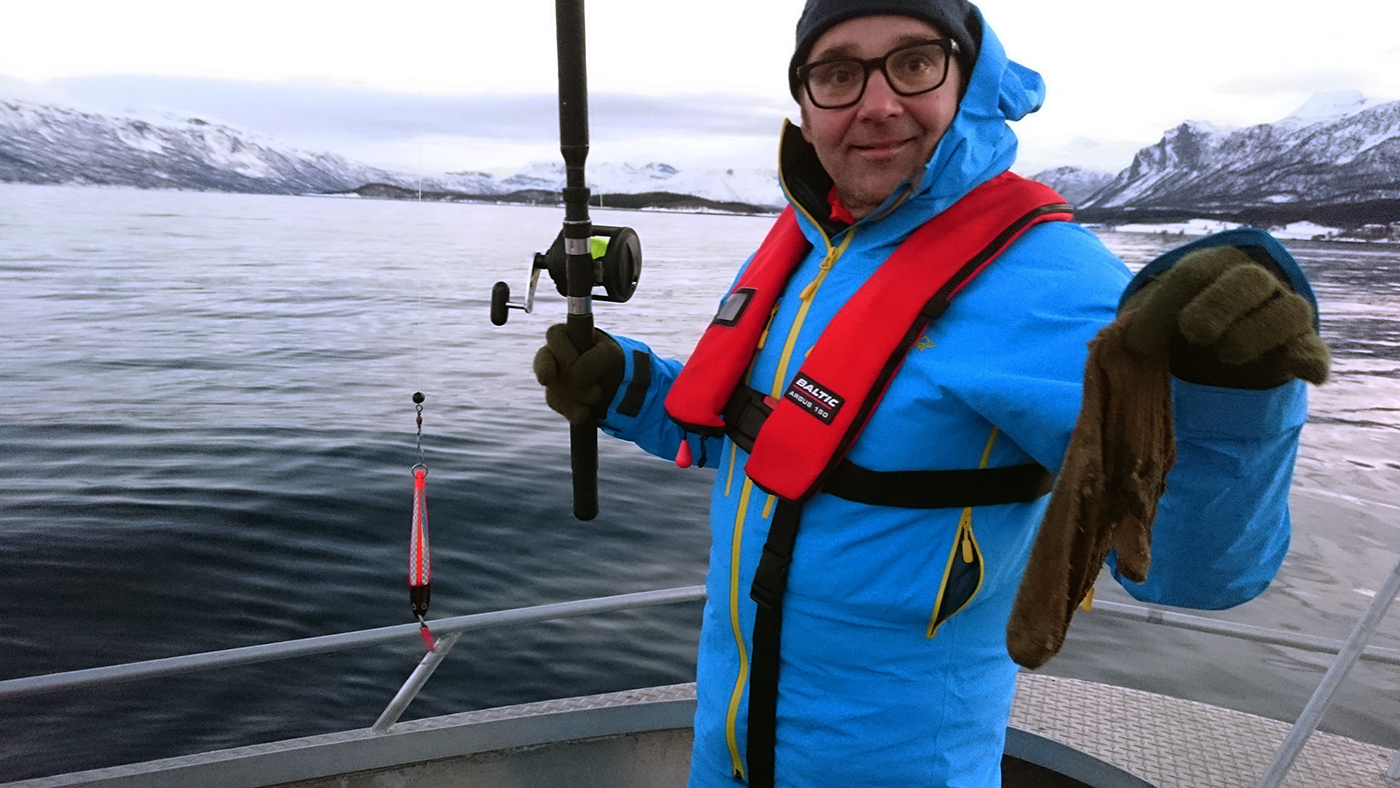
<point>763,338</point>
<point>811,288</point>
<point>683,458</point>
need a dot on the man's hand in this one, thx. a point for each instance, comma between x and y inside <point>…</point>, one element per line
<point>578,386</point>
<point>1225,320</point>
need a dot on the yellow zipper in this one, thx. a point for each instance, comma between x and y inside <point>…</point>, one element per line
<point>729,479</point>
<point>763,338</point>
<point>737,695</point>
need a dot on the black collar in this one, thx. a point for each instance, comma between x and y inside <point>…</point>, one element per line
<point>807,182</point>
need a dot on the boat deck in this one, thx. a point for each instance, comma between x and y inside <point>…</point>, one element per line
<point>1175,743</point>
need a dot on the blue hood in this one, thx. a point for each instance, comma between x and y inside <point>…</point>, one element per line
<point>980,145</point>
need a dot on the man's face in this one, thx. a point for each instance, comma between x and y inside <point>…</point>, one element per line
<point>885,138</point>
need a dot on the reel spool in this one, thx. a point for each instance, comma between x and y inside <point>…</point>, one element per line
<point>617,266</point>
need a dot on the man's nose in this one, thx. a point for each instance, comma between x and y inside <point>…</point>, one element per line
<point>879,99</point>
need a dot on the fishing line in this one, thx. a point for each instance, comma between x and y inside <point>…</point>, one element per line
<point>420,567</point>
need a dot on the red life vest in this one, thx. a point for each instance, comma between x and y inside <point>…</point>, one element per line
<point>845,374</point>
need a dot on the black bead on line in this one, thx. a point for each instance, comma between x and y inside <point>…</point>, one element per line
<point>418,406</point>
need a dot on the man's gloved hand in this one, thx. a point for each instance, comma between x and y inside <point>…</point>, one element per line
<point>1226,320</point>
<point>578,387</point>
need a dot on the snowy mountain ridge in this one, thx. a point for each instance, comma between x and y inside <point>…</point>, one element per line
<point>1075,184</point>
<point>1327,107</point>
<point>47,144</point>
<point>41,143</point>
<point>753,186</point>
<point>1335,160</point>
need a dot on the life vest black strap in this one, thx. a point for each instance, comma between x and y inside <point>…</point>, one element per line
<point>940,489</point>
<point>947,489</point>
<point>769,587</point>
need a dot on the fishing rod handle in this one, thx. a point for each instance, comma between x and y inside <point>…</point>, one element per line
<point>583,438</point>
<point>583,460</point>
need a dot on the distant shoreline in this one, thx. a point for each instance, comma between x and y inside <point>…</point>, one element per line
<point>657,200</point>
<point>1297,231</point>
<point>669,202</point>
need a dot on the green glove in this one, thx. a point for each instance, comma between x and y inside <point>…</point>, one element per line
<point>1225,320</point>
<point>578,387</point>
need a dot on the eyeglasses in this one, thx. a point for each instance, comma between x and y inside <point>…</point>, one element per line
<point>839,82</point>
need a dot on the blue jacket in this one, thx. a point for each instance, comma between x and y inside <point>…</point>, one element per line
<point>871,691</point>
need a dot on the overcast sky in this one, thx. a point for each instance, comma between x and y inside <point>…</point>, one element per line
<point>469,84</point>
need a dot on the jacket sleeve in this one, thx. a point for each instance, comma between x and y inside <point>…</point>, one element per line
<point>1222,527</point>
<point>638,410</point>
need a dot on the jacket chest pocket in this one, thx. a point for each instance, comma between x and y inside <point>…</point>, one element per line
<point>962,575</point>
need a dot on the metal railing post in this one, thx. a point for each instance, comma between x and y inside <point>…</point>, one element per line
<point>416,680</point>
<point>1308,720</point>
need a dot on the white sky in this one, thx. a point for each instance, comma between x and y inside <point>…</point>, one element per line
<point>1119,72</point>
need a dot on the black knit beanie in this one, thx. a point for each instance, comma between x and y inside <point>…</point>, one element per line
<point>957,18</point>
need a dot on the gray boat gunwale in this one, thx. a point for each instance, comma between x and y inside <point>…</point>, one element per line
<point>570,721</point>
<point>504,732</point>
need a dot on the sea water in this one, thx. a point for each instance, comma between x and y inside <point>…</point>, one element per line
<point>206,431</point>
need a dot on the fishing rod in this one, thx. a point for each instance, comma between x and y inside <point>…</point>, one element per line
<point>583,256</point>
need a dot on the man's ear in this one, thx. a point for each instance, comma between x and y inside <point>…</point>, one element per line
<point>802,107</point>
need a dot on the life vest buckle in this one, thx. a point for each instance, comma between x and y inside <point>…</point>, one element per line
<point>744,414</point>
<point>770,580</point>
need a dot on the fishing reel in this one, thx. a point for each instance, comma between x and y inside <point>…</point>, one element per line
<point>617,265</point>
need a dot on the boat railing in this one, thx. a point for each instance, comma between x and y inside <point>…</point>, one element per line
<point>289,649</point>
<point>1352,650</point>
<point>449,630</point>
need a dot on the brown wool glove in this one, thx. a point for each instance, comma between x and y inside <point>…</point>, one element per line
<point>1105,495</point>
<point>578,386</point>
<point>1226,320</point>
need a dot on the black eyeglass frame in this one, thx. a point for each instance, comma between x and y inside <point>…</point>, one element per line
<point>949,46</point>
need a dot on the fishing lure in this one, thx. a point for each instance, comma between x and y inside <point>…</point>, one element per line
<point>420,567</point>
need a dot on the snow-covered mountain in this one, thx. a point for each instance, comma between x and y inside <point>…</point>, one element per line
<point>1075,184</point>
<point>757,187</point>
<point>1335,160</point>
<point>48,144</point>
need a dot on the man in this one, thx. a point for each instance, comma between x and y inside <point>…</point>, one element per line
<point>891,666</point>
